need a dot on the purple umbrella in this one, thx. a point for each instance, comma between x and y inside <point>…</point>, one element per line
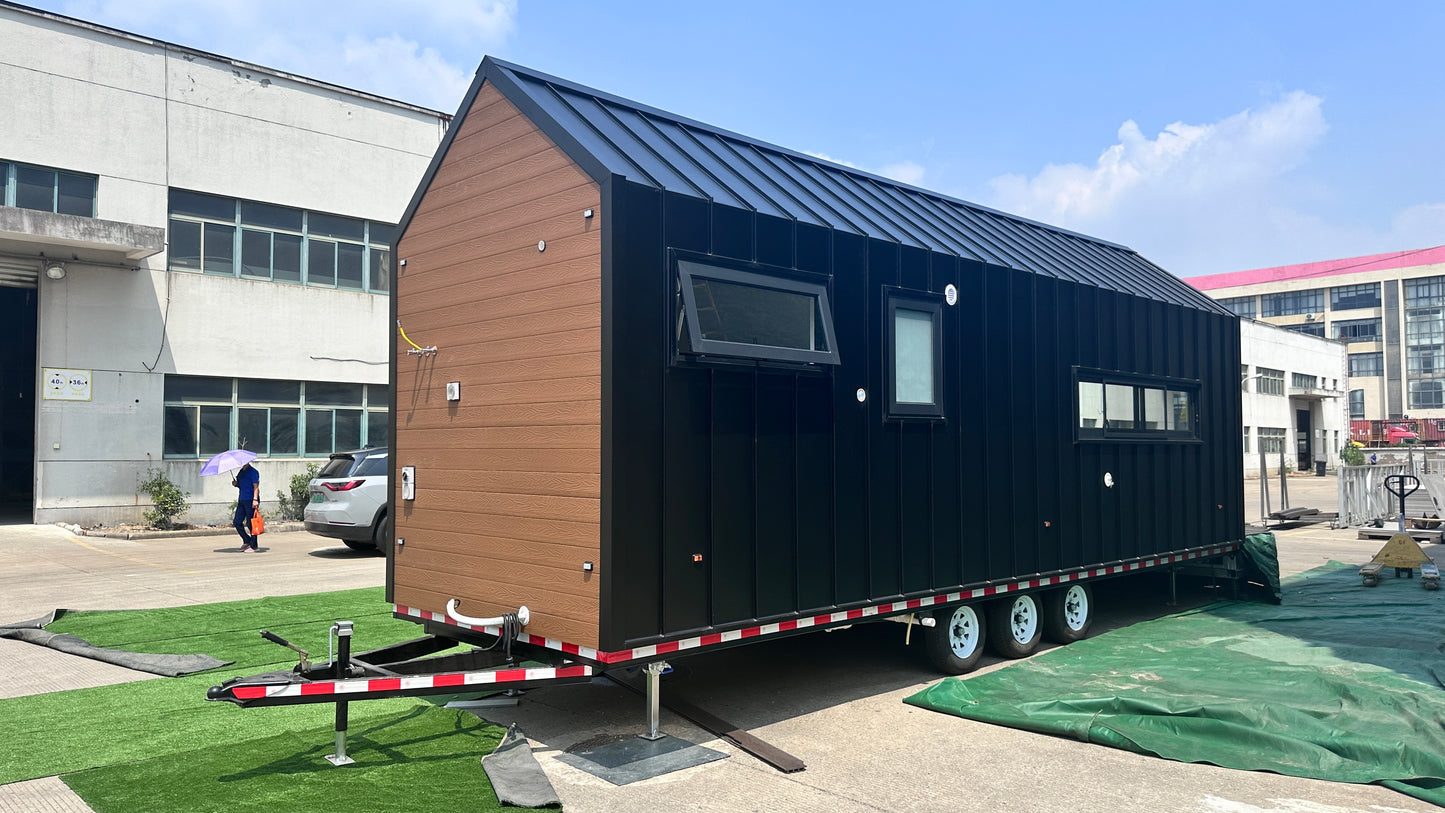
<point>229,460</point>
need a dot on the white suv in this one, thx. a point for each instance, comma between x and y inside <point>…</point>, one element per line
<point>348,500</point>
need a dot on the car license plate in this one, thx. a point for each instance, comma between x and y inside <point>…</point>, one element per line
<point>317,497</point>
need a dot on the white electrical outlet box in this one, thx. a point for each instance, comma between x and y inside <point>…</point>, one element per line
<point>408,482</point>
<point>454,390</point>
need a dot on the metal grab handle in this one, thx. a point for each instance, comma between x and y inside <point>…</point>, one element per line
<point>1395,484</point>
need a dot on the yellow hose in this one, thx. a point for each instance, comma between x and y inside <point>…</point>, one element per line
<point>407,340</point>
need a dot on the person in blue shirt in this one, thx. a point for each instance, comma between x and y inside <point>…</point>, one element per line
<point>248,501</point>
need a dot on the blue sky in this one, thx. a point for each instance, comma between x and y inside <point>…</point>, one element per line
<point>1208,136</point>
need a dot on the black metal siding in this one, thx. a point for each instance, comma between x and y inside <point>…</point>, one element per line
<point>797,499</point>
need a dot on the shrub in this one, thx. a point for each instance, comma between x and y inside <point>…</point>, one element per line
<point>1352,455</point>
<point>293,505</point>
<point>170,502</point>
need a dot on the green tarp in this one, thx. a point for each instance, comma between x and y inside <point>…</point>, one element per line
<point>1339,682</point>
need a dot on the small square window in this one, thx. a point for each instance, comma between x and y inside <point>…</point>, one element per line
<point>728,312</point>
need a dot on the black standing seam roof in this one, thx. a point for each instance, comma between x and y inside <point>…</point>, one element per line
<point>608,136</point>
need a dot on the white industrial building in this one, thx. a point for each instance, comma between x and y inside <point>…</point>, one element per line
<point>1293,390</point>
<point>194,255</point>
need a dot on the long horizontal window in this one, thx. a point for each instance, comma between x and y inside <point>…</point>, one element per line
<point>47,190</point>
<point>1289,303</point>
<point>204,416</point>
<point>1241,305</point>
<point>1307,328</point>
<point>1271,382</point>
<point>755,314</point>
<point>1346,297</point>
<point>1136,407</point>
<point>1357,330</point>
<point>1365,364</point>
<point>229,237</point>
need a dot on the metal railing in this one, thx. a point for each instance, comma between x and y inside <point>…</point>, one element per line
<point>1362,495</point>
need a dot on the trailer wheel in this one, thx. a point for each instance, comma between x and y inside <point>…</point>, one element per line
<point>1068,613</point>
<point>1013,626</point>
<point>955,642</point>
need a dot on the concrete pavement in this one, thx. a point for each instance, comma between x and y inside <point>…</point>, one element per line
<point>833,699</point>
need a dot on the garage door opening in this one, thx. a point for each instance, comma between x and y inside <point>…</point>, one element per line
<point>18,312</point>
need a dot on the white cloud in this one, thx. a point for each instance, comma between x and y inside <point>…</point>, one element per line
<point>1206,198</point>
<point>403,50</point>
<point>908,172</point>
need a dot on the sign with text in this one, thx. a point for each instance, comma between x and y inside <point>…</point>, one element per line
<point>66,385</point>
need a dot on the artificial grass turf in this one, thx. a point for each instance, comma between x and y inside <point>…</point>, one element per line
<point>426,759</point>
<point>169,718</point>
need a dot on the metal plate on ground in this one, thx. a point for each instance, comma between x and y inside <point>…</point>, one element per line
<point>634,759</point>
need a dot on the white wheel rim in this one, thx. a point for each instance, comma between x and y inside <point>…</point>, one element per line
<point>964,635</point>
<point>1023,619</point>
<point>1076,607</point>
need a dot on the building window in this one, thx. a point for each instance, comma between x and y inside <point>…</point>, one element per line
<point>47,190</point>
<point>915,342</point>
<point>1357,403</point>
<point>1425,292</point>
<point>1271,439</point>
<point>1427,394</point>
<point>1425,341</point>
<point>1271,382</point>
<point>204,416</point>
<point>1244,378</point>
<point>1307,328</point>
<point>1246,440</point>
<point>1367,364</point>
<point>1289,303</point>
<point>1304,382</point>
<point>1357,330</point>
<point>1241,305</point>
<point>229,237</point>
<point>1347,297</point>
<point>1113,407</point>
<point>724,311</point>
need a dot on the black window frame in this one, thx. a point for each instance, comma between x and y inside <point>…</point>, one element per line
<point>1139,382</point>
<point>894,300</point>
<point>1355,297</point>
<point>685,267</point>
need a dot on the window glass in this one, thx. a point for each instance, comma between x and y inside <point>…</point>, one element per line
<point>197,388</point>
<point>1154,420</point>
<point>1367,364</point>
<point>196,204</point>
<point>1181,411</point>
<point>219,249</point>
<point>283,430</point>
<point>256,253</point>
<point>1091,405</point>
<point>320,262</point>
<point>265,391</point>
<point>1119,406</point>
<point>1241,305</point>
<point>348,265</point>
<point>286,258</point>
<point>1345,297</point>
<point>380,234</point>
<point>333,393</point>
<point>1271,382</point>
<point>76,195</point>
<point>185,247</point>
<point>1357,330</point>
<point>35,188</point>
<point>373,465</point>
<point>253,430</point>
<point>1357,403</point>
<point>378,395</point>
<point>1271,439</point>
<point>348,429</point>
<point>180,430</point>
<point>318,432</point>
<point>270,217</point>
<point>745,314</point>
<point>344,228</point>
<point>380,270</point>
<point>913,357</point>
<point>378,428</point>
<point>215,429</point>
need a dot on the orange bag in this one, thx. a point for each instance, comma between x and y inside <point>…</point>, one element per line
<point>258,524</point>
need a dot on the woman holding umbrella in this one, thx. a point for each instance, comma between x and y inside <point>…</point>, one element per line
<point>248,501</point>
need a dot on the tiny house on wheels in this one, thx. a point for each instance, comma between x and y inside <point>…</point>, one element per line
<point>671,388</point>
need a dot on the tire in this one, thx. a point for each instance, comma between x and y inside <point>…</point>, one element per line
<point>382,537</point>
<point>358,545</point>
<point>1068,613</point>
<point>1014,626</point>
<point>955,642</point>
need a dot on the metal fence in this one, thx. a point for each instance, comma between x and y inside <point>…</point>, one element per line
<point>1362,495</point>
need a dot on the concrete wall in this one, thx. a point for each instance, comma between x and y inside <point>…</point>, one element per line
<point>146,116</point>
<point>1264,345</point>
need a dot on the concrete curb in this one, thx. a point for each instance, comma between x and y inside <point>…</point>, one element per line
<point>211,530</point>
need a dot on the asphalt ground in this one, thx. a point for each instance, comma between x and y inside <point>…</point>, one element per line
<point>832,699</point>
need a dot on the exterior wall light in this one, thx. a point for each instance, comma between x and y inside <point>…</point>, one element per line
<point>55,270</point>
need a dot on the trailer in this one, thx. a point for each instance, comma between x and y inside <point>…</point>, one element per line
<point>659,388</point>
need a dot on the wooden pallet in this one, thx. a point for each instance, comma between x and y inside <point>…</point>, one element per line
<point>1418,534</point>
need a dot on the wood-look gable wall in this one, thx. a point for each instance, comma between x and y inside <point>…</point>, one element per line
<point>508,493</point>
